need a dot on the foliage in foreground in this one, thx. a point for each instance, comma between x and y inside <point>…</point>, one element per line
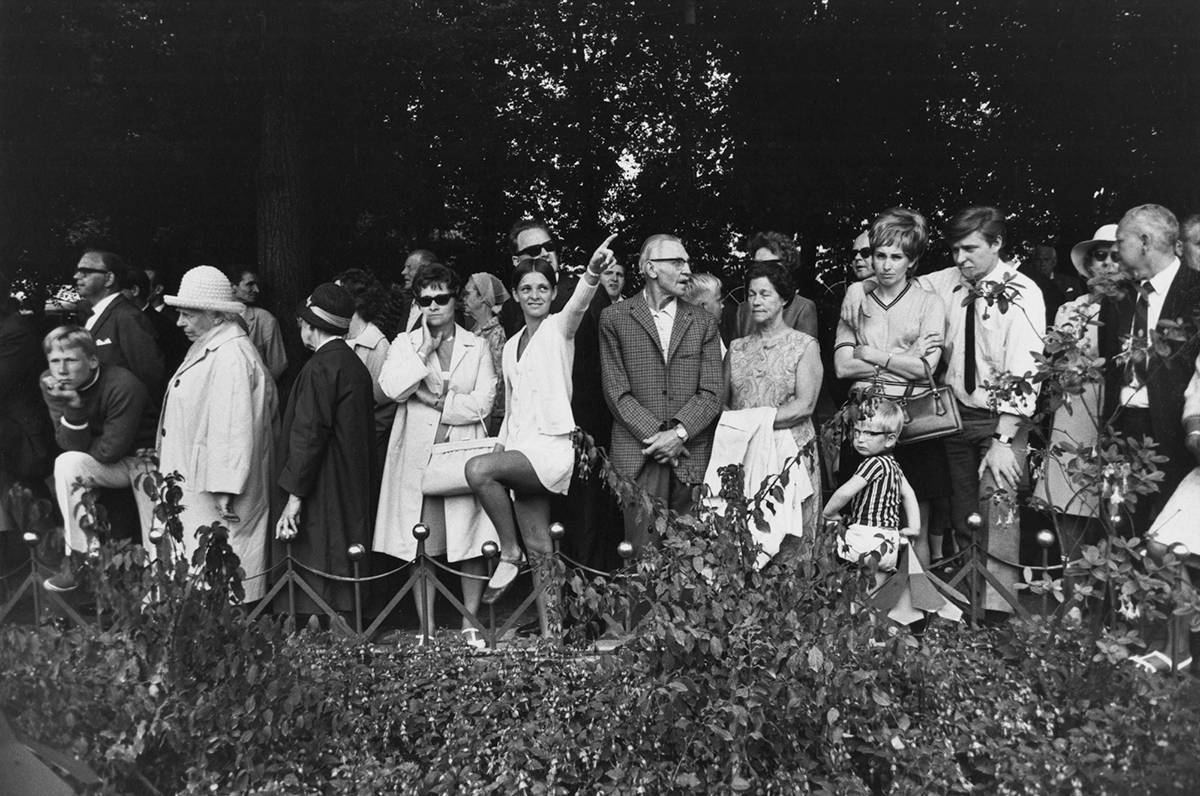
<point>738,680</point>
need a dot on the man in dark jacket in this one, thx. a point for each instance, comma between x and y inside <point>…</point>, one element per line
<point>325,451</point>
<point>123,334</point>
<point>102,416</point>
<point>1144,393</point>
<point>137,287</point>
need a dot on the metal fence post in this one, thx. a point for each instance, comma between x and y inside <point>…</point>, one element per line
<point>1046,540</point>
<point>626,551</point>
<point>31,540</point>
<point>975,524</point>
<point>491,551</point>
<point>355,553</point>
<point>420,532</point>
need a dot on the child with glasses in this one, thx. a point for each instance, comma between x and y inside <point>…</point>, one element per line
<point>877,491</point>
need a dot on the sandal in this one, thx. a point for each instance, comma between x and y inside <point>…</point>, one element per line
<point>506,572</point>
<point>470,637</point>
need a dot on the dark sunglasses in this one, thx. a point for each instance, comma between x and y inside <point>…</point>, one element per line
<point>1100,255</point>
<point>549,247</point>
<point>441,299</point>
<point>83,269</point>
<point>864,253</point>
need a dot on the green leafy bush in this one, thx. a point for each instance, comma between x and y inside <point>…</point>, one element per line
<point>737,679</point>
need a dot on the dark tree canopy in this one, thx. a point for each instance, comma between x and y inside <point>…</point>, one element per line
<point>315,135</point>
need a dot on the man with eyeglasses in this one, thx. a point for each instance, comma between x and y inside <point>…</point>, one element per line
<point>123,334</point>
<point>1144,388</point>
<point>661,360</point>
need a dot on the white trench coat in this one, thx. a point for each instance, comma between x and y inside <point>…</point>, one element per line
<point>472,389</point>
<point>217,430</point>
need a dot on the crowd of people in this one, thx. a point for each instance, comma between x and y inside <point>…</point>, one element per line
<point>673,381</point>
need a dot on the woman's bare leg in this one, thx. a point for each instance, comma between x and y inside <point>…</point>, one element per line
<point>533,515</point>
<point>491,476</point>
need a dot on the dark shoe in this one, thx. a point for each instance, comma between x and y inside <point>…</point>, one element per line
<point>506,572</point>
<point>64,581</point>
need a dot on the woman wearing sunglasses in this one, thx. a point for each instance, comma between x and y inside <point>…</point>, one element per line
<point>1077,424</point>
<point>537,456</point>
<point>442,379</point>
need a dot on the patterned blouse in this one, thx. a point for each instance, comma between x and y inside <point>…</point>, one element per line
<point>494,334</point>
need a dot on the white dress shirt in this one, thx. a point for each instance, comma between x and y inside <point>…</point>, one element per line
<point>1161,282</point>
<point>664,322</point>
<point>97,309</point>
<point>1004,342</point>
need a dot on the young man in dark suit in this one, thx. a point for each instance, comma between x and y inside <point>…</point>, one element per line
<point>661,362</point>
<point>1144,391</point>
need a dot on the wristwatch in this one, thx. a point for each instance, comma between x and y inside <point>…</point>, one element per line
<point>681,432</point>
<point>1003,439</point>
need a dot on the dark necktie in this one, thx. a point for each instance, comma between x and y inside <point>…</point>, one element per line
<point>969,348</point>
<point>1135,371</point>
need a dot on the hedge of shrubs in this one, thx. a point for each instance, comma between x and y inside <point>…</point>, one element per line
<point>737,680</point>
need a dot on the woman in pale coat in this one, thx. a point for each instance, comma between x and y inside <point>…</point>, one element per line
<point>442,379</point>
<point>1076,424</point>
<point>217,423</point>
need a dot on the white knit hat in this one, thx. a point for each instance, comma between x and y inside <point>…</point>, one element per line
<point>205,288</point>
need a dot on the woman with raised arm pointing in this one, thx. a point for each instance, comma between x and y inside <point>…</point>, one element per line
<point>536,455</point>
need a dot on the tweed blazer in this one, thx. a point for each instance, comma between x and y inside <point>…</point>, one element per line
<point>1167,378</point>
<point>125,337</point>
<point>646,391</point>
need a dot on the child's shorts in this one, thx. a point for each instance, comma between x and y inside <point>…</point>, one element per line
<point>860,540</point>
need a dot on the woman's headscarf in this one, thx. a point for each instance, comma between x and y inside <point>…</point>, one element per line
<point>491,290</point>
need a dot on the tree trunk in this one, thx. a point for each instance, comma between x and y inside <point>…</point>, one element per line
<point>284,181</point>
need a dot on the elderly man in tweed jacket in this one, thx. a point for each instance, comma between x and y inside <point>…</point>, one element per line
<point>661,363</point>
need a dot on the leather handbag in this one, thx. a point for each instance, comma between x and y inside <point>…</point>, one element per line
<point>930,414</point>
<point>446,474</point>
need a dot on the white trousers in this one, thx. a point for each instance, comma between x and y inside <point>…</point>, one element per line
<point>73,467</point>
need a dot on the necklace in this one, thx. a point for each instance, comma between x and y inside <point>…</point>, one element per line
<point>773,340</point>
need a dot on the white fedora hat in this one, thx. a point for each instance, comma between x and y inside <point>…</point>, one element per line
<point>205,288</point>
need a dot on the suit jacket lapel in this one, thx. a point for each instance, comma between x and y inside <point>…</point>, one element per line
<point>683,319</point>
<point>463,341</point>
<point>108,310</point>
<point>640,311</point>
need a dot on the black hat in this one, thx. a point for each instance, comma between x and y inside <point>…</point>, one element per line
<point>328,308</point>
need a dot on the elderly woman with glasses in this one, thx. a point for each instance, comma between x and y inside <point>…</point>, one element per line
<point>1076,423</point>
<point>443,382</point>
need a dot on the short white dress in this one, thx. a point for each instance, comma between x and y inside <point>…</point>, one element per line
<point>542,373</point>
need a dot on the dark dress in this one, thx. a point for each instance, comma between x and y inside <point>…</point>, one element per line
<point>325,456</point>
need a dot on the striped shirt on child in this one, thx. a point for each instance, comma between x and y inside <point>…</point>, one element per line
<point>878,504</point>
